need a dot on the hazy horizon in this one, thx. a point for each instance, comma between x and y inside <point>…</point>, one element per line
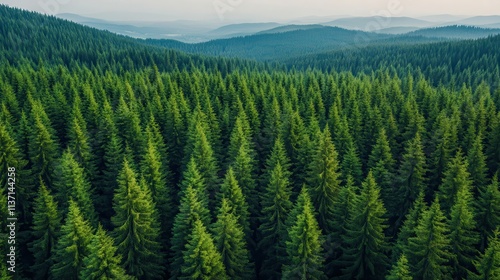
<point>255,10</point>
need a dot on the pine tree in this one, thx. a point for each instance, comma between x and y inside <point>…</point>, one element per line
<point>324,180</point>
<point>136,229</point>
<point>276,205</point>
<point>201,259</point>
<point>206,162</point>
<point>462,231</point>
<point>409,226</point>
<point>229,240</point>
<point>72,246</point>
<point>304,249</point>
<point>428,251</point>
<point>102,263</point>
<point>411,178</point>
<point>231,191</point>
<point>365,242</point>
<point>43,150</point>
<point>153,173</point>
<point>488,265</point>
<point>79,144</point>
<point>190,210</point>
<point>334,241</point>
<point>45,231</point>
<point>72,182</point>
<point>381,163</point>
<point>113,161</point>
<point>477,163</point>
<point>400,270</point>
<point>456,177</point>
<point>488,210</point>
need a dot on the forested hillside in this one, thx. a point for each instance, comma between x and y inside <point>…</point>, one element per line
<point>448,63</point>
<point>135,162</point>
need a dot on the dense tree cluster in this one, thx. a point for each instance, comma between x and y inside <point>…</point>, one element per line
<point>246,174</point>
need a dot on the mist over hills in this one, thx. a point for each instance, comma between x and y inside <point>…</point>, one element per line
<point>189,31</point>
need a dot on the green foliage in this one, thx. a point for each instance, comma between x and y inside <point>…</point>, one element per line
<point>456,179</point>
<point>429,250</point>
<point>323,179</point>
<point>365,243</point>
<point>102,263</point>
<point>488,210</point>
<point>136,229</point>
<point>229,239</point>
<point>400,270</point>
<point>276,205</point>
<point>72,246</point>
<point>488,265</point>
<point>45,231</point>
<point>191,209</point>
<point>304,249</point>
<point>201,259</point>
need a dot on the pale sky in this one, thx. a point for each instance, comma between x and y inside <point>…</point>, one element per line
<point>254,10</point>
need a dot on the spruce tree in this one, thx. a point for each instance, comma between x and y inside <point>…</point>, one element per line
<point>45,231</point>
<point>230,241</point>
<point>323,180</point>
<point>365,243</point>
<point>477,163</point>
<point>102,262</point>
<point>72,182</point>
<point>275,203</point>
<point>231,191</point>
<point>463,233</point>
<point>428,251</point>
<point>201,259</point>
<point>152,170</point>
<point>488,264</point>
<point>411,178</point>
<point>190,210</point>
<point>381,163</point>
<point>488,211</point>
<point>305,259</point>
<point>400,270</point>
<point>456,177</point>
<point>136,229</point>
<point>72,246</point>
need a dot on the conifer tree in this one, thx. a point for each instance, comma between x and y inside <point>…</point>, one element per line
<point>79,144</point>
<point>493,150</point>
<point>428,251</point>
<point>72,246</point>
<point>136,229</point>
<point>324,180</point>
<point>71,182</point>
<point>305,259</point>
<point>381,163</point>
<point>45,231</point>
<point>477,163</point>
<point>488,211</point>
<point>409,226</point>
<point>334,241</point>
<point>488,265</point>
<point>400,270</point>
<point>411,177</point>
<point>102,262</point>
<point>153,173</point>
<point>462,231</point>
<point>43,150</point>
<point>276,205</point>
<point>366,244</point>
<point>201,259</point>
<point>190,210</point>
<point>351,164</point>
<point>230,241</point>
<point>231,191</point>
<point>456,177</point>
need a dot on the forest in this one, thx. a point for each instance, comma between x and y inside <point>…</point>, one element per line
<point>134,161</point>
